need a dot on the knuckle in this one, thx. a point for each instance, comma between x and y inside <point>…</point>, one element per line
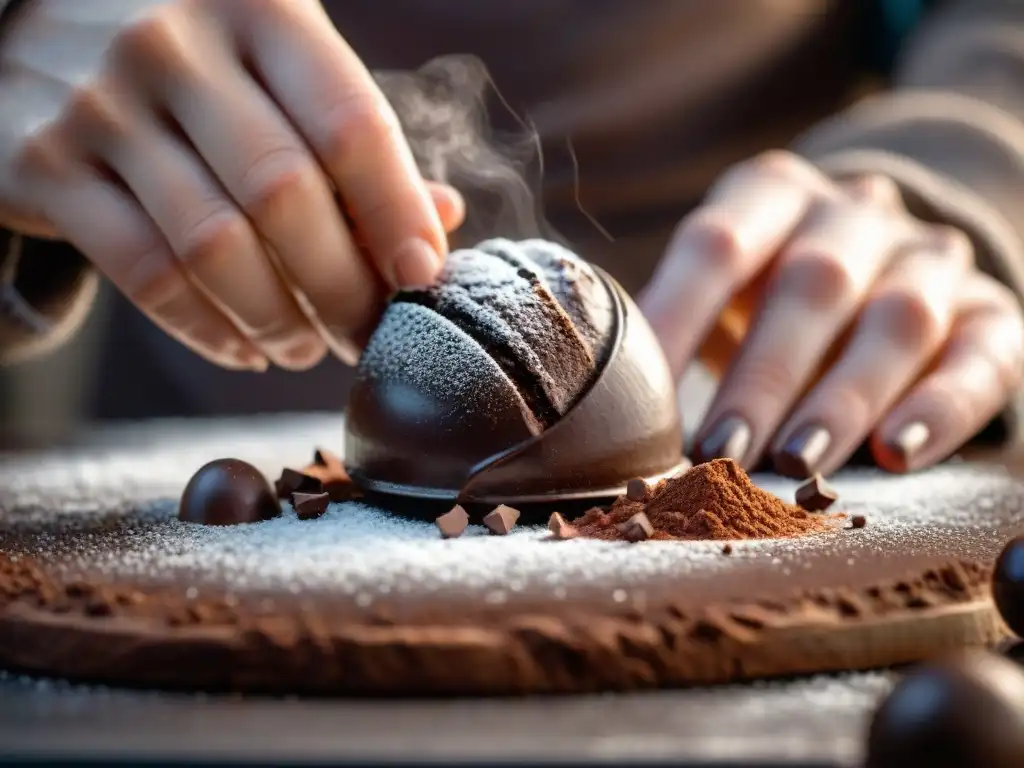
<point>275,176</point>
<point>38,155</point>
<point>358,125</point>
<point>153,39</point>
<point>714,240</point>
<point>769,376</point>
<point>818,278</point>
<point>779,163</point>
<point>153,280</point>
<point>211,236</point>
<point>93,111</point>
<point>952,242</point>
<point>908,318</point>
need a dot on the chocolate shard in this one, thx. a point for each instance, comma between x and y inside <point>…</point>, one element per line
<point>727,549</point>
<point>636,489</point>
<point>816,495</point>
<point>325,458</point>
<point>561,528</point>
<point>453,522</point>
<point>309,506</point>
<point>501,520</point>
<point>858,521</point>
<point>637,528</point>
<point>293,481</point>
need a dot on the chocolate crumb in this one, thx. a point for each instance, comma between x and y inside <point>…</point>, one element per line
<point>637,528</point>
<point>501,520</point>
<point>816,495</point>
<point>560,527</point>
<point>453,522</point>
<point>727,549</point>
<point>858,521</point>
<point>309,506</point>
<point>636,489</point>
<point>292,481</point>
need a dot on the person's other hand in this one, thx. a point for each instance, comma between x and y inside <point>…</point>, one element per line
<point>870,323</point>
<point>193,150</point>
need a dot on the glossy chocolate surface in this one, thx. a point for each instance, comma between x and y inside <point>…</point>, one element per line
<point>228,492</point>
<point>964,712</point>
<point>463,433</point>
<point>1008,585</point>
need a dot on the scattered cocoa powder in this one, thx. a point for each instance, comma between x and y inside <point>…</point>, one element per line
<point>715,500</point>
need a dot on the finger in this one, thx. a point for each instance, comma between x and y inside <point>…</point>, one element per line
<point>901,327</point>
<point>821,276</point>
<point>978,370</point>
<point>131,252</point>
<point>267,170</point>
<point>874,189</point>
<point>209,235</point>
<point>336,105</point>
<point>450,205</point>
<point>722,245</point>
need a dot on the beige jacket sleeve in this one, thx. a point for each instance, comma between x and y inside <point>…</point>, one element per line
<point>950,131</point>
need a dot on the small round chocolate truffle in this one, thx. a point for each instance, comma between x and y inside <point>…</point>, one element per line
<point>228,492</point>
<point>1008,585</point>
<point>964,712</point>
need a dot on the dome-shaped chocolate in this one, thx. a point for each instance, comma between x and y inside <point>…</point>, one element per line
<point>523,374</point>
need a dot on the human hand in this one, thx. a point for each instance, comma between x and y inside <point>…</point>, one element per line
<point>869,322</point>
<point>193,150</point>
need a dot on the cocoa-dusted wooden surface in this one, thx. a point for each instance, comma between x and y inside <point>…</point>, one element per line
<point>817,721</point>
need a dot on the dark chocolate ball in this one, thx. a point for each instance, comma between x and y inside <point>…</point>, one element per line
<point>964,712</point>
<point>1008,585</point>
<point>228,492</point>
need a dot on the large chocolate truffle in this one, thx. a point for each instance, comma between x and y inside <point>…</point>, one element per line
<point>523,374</point>
<point>960,713</point>
<point>228,492</point>
<point>1008,585</point>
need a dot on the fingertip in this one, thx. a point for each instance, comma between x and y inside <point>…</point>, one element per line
<point>415,265</point>
<point>450,205</point>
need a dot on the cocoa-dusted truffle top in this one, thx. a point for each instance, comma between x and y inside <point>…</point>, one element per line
<point>535,308</point>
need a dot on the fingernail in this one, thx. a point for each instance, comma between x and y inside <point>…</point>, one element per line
<point>909,441</point>
<point>728,439</point>
<point>802,453</point>
<point>415,264</point>
<point>257,363</point>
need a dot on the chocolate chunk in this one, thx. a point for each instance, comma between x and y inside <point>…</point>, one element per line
<point>637,528</point>
<point>858,521</point>
<point>310,505</point>
<point>816,495</point>
<point>560,527</point>
<point>292,481</point>
<point>1008,585</point>
<point>501,520</point>
<point>966,711</point>
<point>324,458</point>
<point>227,492</point>
<point>727,549</point>
<point>636,489</point>
<point>453,522</point>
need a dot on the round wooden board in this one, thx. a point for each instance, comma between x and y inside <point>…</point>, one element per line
<point>360,601</point>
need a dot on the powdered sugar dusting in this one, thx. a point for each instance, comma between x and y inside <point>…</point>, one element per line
<point>954,511</point>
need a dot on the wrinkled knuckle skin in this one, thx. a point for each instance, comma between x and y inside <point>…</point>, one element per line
<point>769,377</point>
<point>214,236</point>
<point>818,279</point>
<point>715,241</point>
<point>275,178</point>
<point>358,127</point>
<point>908,319</point>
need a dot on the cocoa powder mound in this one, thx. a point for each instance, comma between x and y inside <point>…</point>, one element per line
<point>715,500</point>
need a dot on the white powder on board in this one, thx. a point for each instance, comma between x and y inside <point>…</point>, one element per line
<point>366,553</point>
